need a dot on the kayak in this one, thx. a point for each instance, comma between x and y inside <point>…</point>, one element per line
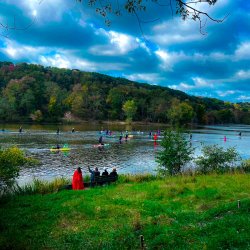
<point>59,149</point>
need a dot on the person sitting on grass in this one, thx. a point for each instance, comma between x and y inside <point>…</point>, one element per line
<point>105,172</point>
<point>113,173</point>
<point>77,181</point>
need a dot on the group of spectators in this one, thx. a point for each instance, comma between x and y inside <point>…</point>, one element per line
<point>77,181</point>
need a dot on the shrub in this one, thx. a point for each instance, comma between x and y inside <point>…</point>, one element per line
<point>245,166</point>
<point>10,161</point>
<point>216,159</point>
<point>177,152</point>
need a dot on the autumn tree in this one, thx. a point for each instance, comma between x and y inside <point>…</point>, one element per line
<point>129,108</point>
<point>180,113</point>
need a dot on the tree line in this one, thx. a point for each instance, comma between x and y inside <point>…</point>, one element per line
<point>34,93</point>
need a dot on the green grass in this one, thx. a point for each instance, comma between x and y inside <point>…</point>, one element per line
<point>184,212</point>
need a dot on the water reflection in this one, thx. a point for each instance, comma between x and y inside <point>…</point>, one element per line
<point>137,155</point>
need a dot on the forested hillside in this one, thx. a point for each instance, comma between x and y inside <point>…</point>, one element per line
<point>45,94</point>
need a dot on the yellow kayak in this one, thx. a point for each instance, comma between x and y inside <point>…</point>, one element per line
<point>59,149</point>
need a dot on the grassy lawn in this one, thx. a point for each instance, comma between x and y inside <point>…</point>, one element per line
<point>174,213</point>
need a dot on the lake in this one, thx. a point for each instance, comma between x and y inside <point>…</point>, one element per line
<point>137,155</point>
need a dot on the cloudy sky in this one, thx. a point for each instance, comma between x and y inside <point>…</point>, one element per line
<point>164,51</point>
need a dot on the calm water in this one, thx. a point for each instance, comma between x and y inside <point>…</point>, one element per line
<point>135,156</point>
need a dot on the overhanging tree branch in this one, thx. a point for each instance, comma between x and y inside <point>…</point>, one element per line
<point>185,9</point>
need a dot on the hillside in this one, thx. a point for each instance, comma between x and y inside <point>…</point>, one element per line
<point>45,94</point>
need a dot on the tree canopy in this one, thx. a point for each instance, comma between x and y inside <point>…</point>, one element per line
<point>33,93</point>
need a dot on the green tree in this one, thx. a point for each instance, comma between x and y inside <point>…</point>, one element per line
<point>10,161</point>
<point>55,98</point>
<point>115,100</point>
<point>177,152</point>
<point>180,113</point>
<point>129,107</point>
<point>201,113</point>
<point>216,159</point>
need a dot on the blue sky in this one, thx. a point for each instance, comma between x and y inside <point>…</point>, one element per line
<point>170,52</point>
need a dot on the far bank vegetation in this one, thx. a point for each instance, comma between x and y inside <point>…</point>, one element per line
<point>33,93</point>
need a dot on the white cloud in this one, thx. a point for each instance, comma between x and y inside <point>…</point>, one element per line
<point>243,51</point>
<point>169,59</point>
<point>63,59</point>
<point>17,51</point>
<point>198,84</point>
<point>219,56</point>
<point>226,93</point>
<point>201,83</point>
<point>243,74</point>
<point>243,98</point>
<point>152,78</point>
<point>56,61</point>
<point>45,10</point>
<point>50,56</point>
<point>175,31</point>
<point>119,44</point>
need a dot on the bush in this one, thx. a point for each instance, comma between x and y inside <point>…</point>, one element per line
<point>245,166</point>
<point>216,159</point>
<point>177,152</point>
<point>10,161</point>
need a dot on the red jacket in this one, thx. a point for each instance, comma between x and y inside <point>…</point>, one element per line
<point>77,182</point>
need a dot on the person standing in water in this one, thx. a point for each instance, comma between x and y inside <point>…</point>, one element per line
<point>190,136</point>
<point>101,140</point>
<point>20,129</point>
<point>57,131</point>
<point>155,137</point>
<point>120,138</point>
<point>225,138</point>
<point>73,130</point>
<point>126,136</point>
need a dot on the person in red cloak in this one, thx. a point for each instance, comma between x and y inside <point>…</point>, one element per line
<point>155,137</point>
<point>77,182</point>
